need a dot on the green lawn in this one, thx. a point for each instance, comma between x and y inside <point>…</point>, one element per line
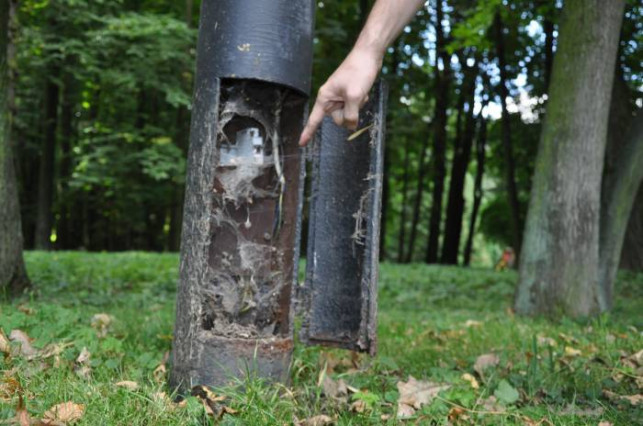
<point>434,323</point>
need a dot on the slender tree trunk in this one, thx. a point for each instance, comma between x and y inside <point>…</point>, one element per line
<point>13,276</point>
<point>548,29</point>
<point>418,201</point>
<point>481,146</point>
<point>632,252</point>
<point>619,193</point>
<point>622,178</point>
<point>510,167</point>
<point>559,269</point>
<point>44,214</point>
<point>461,157</point>
<point>443,84</point>
<point>405,191</point>
<point>64,228</point>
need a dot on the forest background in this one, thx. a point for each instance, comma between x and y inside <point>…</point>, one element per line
<point>102,112</point>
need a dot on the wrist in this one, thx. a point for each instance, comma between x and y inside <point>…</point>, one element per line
<point>370,47</point>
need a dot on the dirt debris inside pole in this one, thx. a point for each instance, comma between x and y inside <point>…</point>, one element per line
<point>249,279</point>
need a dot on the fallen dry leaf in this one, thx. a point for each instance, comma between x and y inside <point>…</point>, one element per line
<point>212,402</point>
<point>605,423</point>
<point>101,322</point>
<point>82,367</point>
<point>358,406</point>
<point>25,309</point>
<point>457,414</point>
<point>571,352</point>
<point>53,349</point>
<point>26,349</point>
<point>637,358</point>
<point>63,414</point>
<point>9,387</point>
<point>472,380</point>
<point>84,356</point>
<point>485,361</point>
<point>415,393</point>
<point>632,399</point>
<point>546,341</point>
<point>321,420</point>
<point>5,346</point>
<point>472,323</point>
<point>127,384</point>
<point>334,389</point>
<point>574,410</point>
<point>22,415</point>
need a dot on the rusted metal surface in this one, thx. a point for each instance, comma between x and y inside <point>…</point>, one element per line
<point>239,245</point>
<point>262,40</point>
<point>340,292</point>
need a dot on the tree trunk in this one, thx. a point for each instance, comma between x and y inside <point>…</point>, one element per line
<point>64,229</point>
<point>417,205</point>
<point>13,276</point>
<point>619,195</point>
<point>510,167</point>
<point>443,83</point>
<point>559,271</point>
<point>481,145</point>
<point>460,164</point>
<point>46,171</point>
<point>548,29</point>
<point>405,191</point>
<point>632,252</point>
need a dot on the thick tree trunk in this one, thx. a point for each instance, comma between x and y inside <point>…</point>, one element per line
<point>13,276</point>
<point>461,157</point>
<point>405,191</point>
<point>481,146</point>
<point>510,167</point>
<point>443,83</point>
<point>559,271</point>
<point>44,214</point>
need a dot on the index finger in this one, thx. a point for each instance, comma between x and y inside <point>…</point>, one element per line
<point>314,120</point>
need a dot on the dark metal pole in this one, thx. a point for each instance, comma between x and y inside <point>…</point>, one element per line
<point>239,245</point>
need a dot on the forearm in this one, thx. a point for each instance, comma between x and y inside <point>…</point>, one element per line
<point>385,23</point>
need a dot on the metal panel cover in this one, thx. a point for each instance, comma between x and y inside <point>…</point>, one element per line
<point>340,292</point>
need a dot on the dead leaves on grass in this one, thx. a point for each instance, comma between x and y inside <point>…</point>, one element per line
<point>101,322</point>
<point>212,403</point>
<point>414,394</point>
<point>63,414</point>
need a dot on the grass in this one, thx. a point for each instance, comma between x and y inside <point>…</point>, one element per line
<point>434,322</point>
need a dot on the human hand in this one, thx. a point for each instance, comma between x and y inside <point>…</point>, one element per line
<point>345,92</point>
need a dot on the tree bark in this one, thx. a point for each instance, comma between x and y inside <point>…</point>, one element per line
<point>510,167</point>
<point>417,205</point>
<point>460,164</point>
<point>46,170</point>
<point>65,230</point>
<point>632,252</point>
<point>619,196</point>
<point>443,84</point>
<point>405,191</point>
<point>559,271</point>
<point>481,146</point>
<point>13,275</point>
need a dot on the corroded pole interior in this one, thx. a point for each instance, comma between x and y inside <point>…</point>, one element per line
<point>239,245</point>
